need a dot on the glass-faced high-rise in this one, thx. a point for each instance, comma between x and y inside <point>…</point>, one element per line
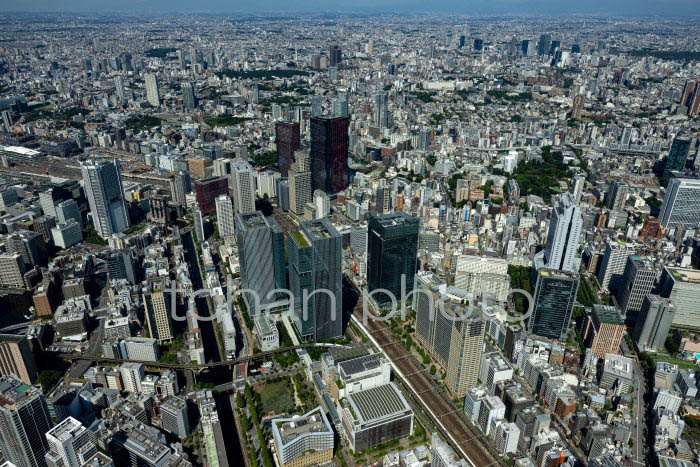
<point>315,256</point>
<point>677,156</point>
<point>555,294</point>
<point>103,187</point>
<point>392,251</point>
<point>261,254</point>
<point>24,422</point>
<point>329,153</point>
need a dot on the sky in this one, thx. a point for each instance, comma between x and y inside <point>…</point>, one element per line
<point>471,7</point>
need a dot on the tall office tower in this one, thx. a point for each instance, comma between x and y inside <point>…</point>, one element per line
<point>120,265</point>
<point>478,44</point>
<point>188,98</point>
<point>300,183</point>
<point>613,265</point>
<point>528,47</point>
<point>682,287</point>
<point>483,277</point>
<point>261,255</point>
<point>105,194</point>
<point>392,244</point>
<point>677,156</point>
<point>24,422</point>
<point>617,195</point>
<point>174,418</point>
<point>603,330</point>
<point>119,87</point>
<point>181,59</point>
<point>556,45</point>
<point>653,323</point>
<point>335,55</point>
<point>381,110</point>
<point>466,347</point>
<point>555,295</point>
<point>340,107</point>
<point>637,281</point>
<point>681,206</point>
<point>544,44</point>
<point>243,186</point>
<point>156,302</point>
<point>383,199</point>
<point>30,245</point>
<point>6,120</point>
<point>564,234</point>
<point>180,185</point>
<point>329,154</point>
<point>132,374</point>
<point>69,444</point>
<point>198,223</point>
<point>152,92</point>
<point>12,270</point>
<point>691,97</point>
<point>43,226</point>
<point>322,203</point>
<point>288,142</point>
<point>16,358</point>
<point>577,111</point>
<point>316,106</point>
<point>67,210</point>
<point>283,193</point>
<point>315,256</point>
<point>208,190</point>
<point>224,216</point>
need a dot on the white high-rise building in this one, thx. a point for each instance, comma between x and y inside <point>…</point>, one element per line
<point>243,185</point>
<point>681,206</point>
<point>564,234</point>
<point>507,436</point>
<point>198,223</point>
<point>105,194</point>
<point>299,183</point>
<point>613,265</point>
<point>69,444</point>
<point>322,203</point>
<point>119,87</point>
<point>152,93</point>
<point>225,216</point>
<point>579,183</point>
<point>132,375</point>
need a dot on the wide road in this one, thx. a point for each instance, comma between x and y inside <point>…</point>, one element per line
<point>469,443</point>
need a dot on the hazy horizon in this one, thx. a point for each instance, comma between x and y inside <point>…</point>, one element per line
<point>632,8</point>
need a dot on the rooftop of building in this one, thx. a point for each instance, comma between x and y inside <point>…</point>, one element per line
<point>687,275</point>
<point>619,365</point>
<point>608,314</point>
<point>13,392</point>
<point>174,403</point>
<point>146,446</point>
<point>378,402</point>
<point>313,422</point>
<point>66,429</point>
<point>360,364</point>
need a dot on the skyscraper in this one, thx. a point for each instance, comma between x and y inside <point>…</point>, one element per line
<point>637,281</point>
<point>681,206</point>
<point>613,265</point>
<point>261,255</point>
<point>288,142</point>
<point>24,422</point>
<point>120,265</point>
<point>69,444</point>
<point>392,253</point>
<point>224,216</point>
<point>30,245</point>
<point>300,183</point>
<point>564,234</point>
<point>329,154</point>
<point>315,255</point>
<point>208,190</point>
<point>579,102</point>
<point>555,295</point>
<point>173,412</point>
<point>617,195</point>
<point>381,110</point>
<point>188,98</point>
<point>152,92</point>
<point>67,210</point>
<point>16,358</point>
<point>103,187</point>
<point>340,106</point>
<point>653,323</point>
<point>180,185</point>
<point>119,87</point>
<point>243,187</point>
<point>682,287</point>
<point>198,223</point>
<point>157,310</point>
<point>544,44</point>
<point>12,270</point>
<point>677,156</point>
<point>335,55</point>
<point>317,106</point>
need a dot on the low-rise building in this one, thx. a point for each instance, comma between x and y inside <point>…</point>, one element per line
<point>303,440</point>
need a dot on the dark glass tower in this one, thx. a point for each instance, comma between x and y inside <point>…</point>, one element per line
<point>329,153</point>
<point>555,294</point>
<point>288,141</point>
<point>392,245</point>
<point>677,156</point>
<point>315,255</point>
<point>261,255</point>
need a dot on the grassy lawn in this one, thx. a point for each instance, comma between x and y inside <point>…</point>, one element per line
<point>277,397</point>
<point>676,361</point>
